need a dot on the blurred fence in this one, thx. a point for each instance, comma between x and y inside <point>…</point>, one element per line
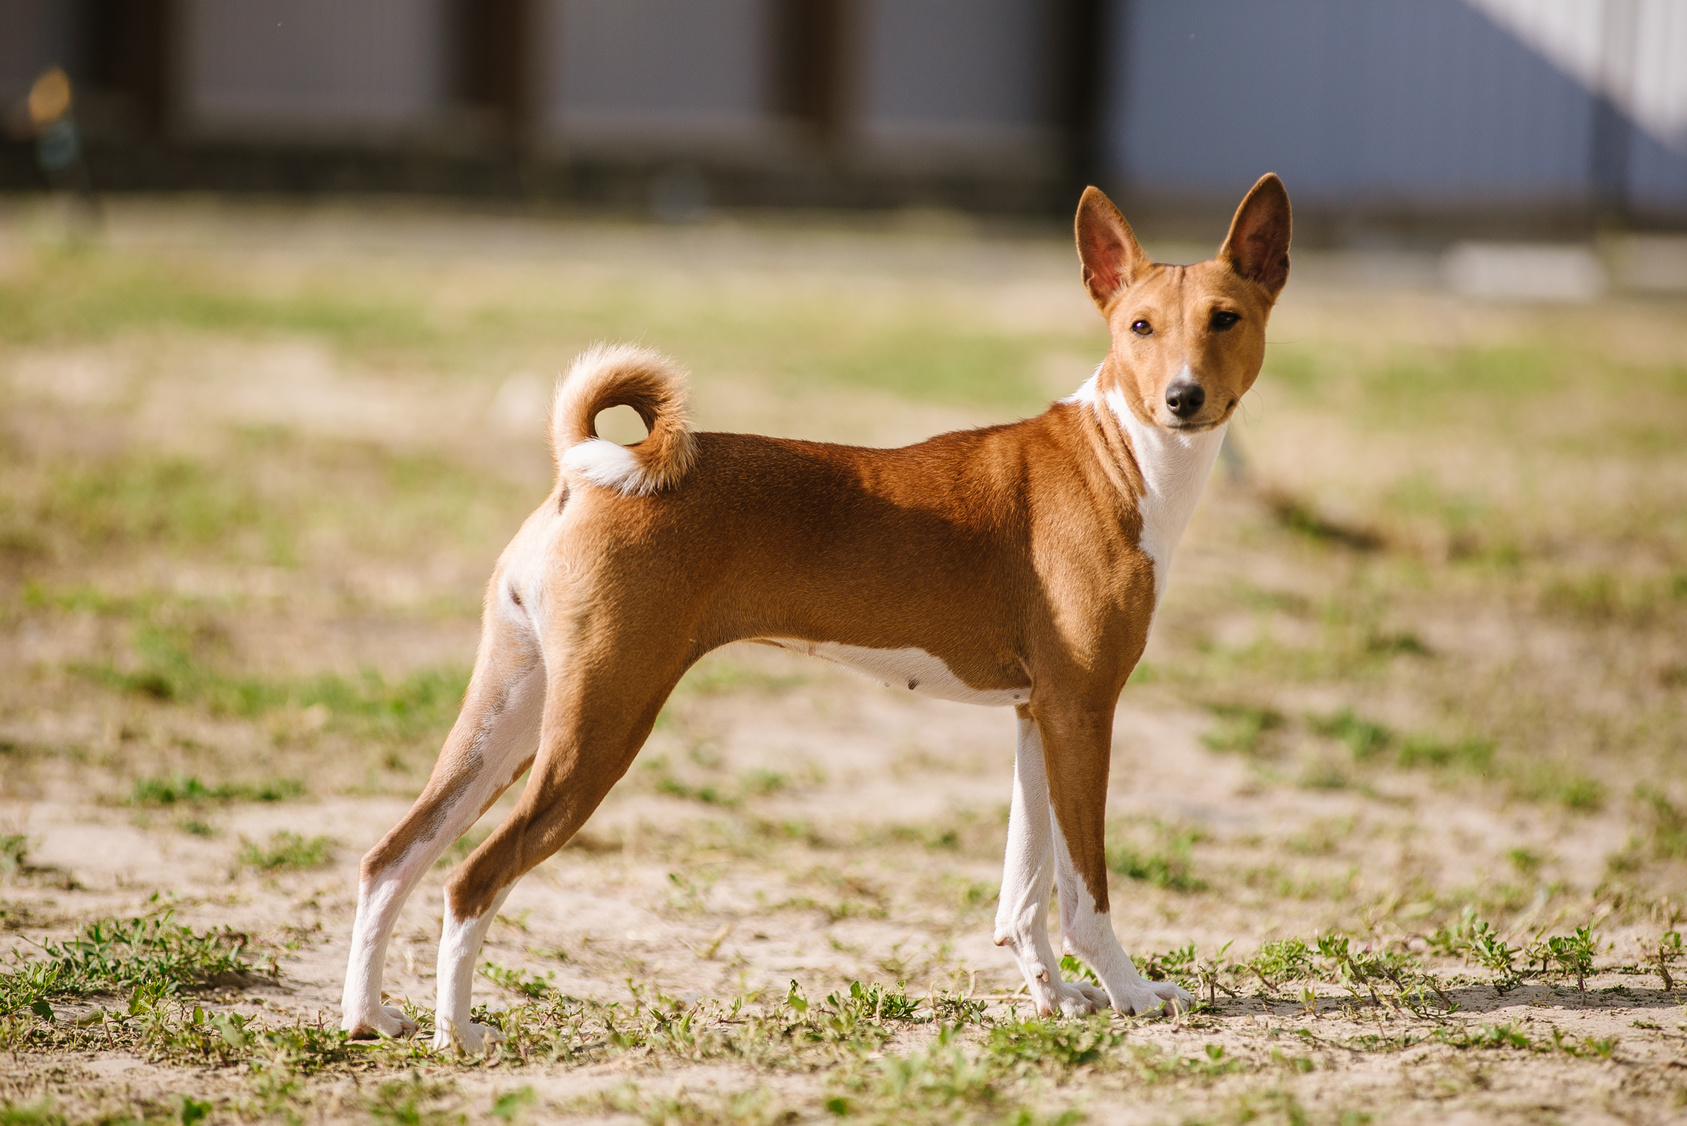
<point>1492,114</point>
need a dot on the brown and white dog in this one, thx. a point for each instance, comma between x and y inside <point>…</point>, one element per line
<point>1015,565</point>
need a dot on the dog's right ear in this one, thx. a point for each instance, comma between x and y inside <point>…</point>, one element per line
<point>1109,251</point>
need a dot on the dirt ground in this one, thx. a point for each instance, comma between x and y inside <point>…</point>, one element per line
<point>1397,789</point>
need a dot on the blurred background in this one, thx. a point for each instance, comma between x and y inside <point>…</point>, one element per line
<point>285,286</point>
<point>1387,120</point>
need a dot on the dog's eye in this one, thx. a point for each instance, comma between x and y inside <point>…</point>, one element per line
<point>1223,319</point>
<point>1142,328</point>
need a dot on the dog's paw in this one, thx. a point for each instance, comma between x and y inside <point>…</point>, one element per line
<point>468,1038</point>
<point>1174,995</point>
<point>1069,998</point>
<point>1154,997</point>
<point>386,1020</point>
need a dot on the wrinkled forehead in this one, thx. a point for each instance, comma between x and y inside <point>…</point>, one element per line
<point>1163,285</point>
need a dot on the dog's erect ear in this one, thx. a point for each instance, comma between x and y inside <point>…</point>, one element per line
<point>1109,251</point>
<point>1258,244</point>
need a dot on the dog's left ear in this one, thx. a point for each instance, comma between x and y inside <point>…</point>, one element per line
<point>1258,244</point>
<point>1109,251</point>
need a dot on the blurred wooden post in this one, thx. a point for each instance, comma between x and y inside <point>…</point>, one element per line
<point>1076,64</point>
<point>129,60</point>
<point>492,61</point>
<point>811,64</point>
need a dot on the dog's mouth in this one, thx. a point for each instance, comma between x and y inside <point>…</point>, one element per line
<point>1199,425</point>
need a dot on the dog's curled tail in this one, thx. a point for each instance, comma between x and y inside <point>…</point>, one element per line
<point>613,376</point>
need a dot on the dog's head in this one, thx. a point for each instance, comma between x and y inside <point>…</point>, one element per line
<point>1187,340</point>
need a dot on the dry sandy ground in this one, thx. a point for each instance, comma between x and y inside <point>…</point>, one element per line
<point>788,822</point>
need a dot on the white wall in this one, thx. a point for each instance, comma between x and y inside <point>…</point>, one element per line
<point>1432,103</point>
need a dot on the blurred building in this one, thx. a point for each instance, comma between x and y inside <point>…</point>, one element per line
<point>1532,114</point>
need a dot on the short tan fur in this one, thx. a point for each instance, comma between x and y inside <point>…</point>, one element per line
<point>1014,565</point>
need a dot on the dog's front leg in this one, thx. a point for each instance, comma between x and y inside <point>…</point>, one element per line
<point>1079,761</point>
<point>1027,880</point>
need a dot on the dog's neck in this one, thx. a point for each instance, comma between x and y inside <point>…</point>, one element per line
<point>1174,465</point>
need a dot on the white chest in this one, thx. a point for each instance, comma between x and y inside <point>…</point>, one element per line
<point>1175,467</point>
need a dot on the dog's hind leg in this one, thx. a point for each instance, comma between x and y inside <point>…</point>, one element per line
<point>491,743</point>
<point>1027,878</point>
<point>1079,745</point>
<point>599,709</point>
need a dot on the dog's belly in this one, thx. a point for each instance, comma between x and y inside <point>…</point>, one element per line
<point>912,669</point>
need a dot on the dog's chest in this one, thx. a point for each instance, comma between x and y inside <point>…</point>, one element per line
<point>911,669</point>
<point>1175,468</point>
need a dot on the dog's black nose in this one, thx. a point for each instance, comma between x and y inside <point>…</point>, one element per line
<point>1185,398</point>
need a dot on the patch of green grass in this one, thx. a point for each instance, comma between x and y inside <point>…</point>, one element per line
<point>753,783</point>
<point>1243,728</point>
<point>524,982</point>
<point>1557,782</point>
<point>966,832</point>
<point>186,789</point>
<point>1054,1045</point>
<point>172,667</point>
<point>1460,381</point>
<point>508,1107</point>
<point>1364,738</point>
<point>95,293</point>
<point>1513,1037</point>
<point>114,956</point>
<point>1468,756</point>
<point>1610,597</point>
<point>38,1113</point>
<point>755,1106</point>
<point>1170,865</point>
<point>716,675</point>
<point>1321,837</point>
<point>1667,828</point>
<point>1281,961</point>
<point>144,499</point>
<point>414,1101</point>
<point>14,854</point>
<point>920,1086</point>
<point>915,361</point>
<point>917,350</point>
<point>286,850</point>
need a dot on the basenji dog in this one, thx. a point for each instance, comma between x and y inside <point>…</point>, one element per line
<point>1015,566</point>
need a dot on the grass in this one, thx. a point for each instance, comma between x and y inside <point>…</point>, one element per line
<point>152,954</point>
<point>286,850</point>
<point>186,789</point>
<point>1167,864</point>
<point>910,348</point>
<point>1443,594</point>
<point>175,662</point>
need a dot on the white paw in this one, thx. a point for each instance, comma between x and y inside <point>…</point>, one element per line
<point>1152,997</point>
<point>1068,998</point>
<point>1171,991</point>
<point>386,1020</point>
<point>470,1038</point>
